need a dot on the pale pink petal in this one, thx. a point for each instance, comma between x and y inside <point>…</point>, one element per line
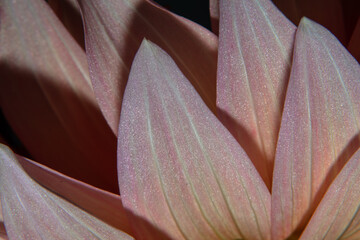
<point>337,216</point>
<point>214,15</point>
<point>46,95</point>
<point>320,126</point>
<point>179,167</point>
<point>328,13</point>
<point>33,212</point>
<point>255,47</point>
<point>114,30</point>
<point>68,11</point>
<point>354,44</point>
<point>101,204</point>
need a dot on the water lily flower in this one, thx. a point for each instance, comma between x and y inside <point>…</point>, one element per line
<point>158,129</point>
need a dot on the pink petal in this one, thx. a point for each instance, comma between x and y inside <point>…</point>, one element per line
<point>114,31</point>
<point>337,216</point>
<point>179,168</point>
<point>101,204</point>
<point>354,44</point>
<point>320,126</point>
<point>214,15</point>
<point>33,212</point>
<point>46,95</point>
<point>255,48</point>
<point>68,11</point>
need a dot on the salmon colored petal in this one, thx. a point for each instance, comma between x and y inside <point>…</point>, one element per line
<point>114,31</point>
<point>320,126</point>
<point>255,47</point>
<point>214,15</point>
<point>101,204</point>
<point>46,95</point>
<point>354,44</point>
<point>68,11</point>
<point>328,13</point>
<point>337,216</point>
<point>33,212</point>
<point>179,167</point>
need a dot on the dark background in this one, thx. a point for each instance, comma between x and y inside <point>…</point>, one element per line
<point>195,10</point>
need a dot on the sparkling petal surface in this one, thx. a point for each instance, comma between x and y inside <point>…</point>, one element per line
<point>46,95</point>
<point>32,212</point>
<point>179,168</point>
<point>320,126</point>
<point>255,47</point>
<point>114,31</point>
<point>337,216</point>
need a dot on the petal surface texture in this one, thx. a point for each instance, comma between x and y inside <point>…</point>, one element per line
<point>320,126</point>
<point>179,167</point>
<point>33,212</point>
<point>46,95</point>
<point>338,214</point>
<point>255,47</point>
<point>114,30</point>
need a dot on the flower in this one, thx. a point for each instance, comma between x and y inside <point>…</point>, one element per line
<point>275,155</point>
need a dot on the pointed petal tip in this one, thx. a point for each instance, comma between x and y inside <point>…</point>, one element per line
<point>319,128</point>
<point>305,20</point>
<point>172,143</point>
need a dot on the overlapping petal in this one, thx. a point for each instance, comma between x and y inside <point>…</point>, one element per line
<point>320,126</point>
<point>101,204</point>
<point>46,95</point>
<point>33,212</point>
<point>338,216</point>
<point>114,31</point>
<point>179,167</point>
<point>255,47</point>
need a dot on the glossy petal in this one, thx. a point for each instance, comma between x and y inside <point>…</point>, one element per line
<point>320,126</point>
<point>255,47</point>
<point>337,216</point>
<point>68,11</point>
<point>354,44</point>
<point>46,96</point>
<point>178,166</point>
<point>101,204</point>
<point>114,31</point>
<point>33,212</point>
